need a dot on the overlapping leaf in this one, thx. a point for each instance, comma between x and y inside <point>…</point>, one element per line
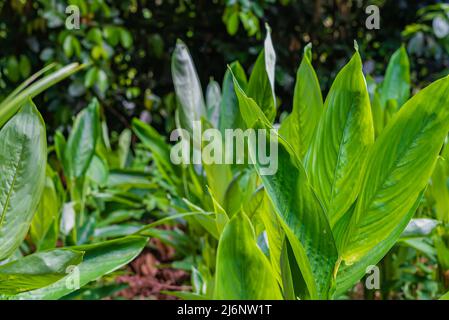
<point>343,136</point>
<point>23,155</point>
<point>243,272</point>
<point>299,126</point>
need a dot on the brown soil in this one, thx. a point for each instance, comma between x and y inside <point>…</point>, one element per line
<point>147,276</point>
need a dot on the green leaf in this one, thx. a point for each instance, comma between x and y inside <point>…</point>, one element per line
<point>46,214</point>
<point>376,107</point>
<point>349,274</point>
<point>25,66</point>
<point>159,148</point>
<point>275,235</point>
<point>23,156</point>
<point>37,270</point>
<point>91,77</point>
<point>299,127</point>
<point>82,140</point>
<point>396,84</point>
<point>399,166</point>
<point>187,87</point>
<point>12,71</point>
<point>94,35</point>
<point>99,259</point>
<point>126,38</point>
<point>243,272</point>
<point>439,191</point>
<point>445,296</point>
<point>229,110</point>
<point>29,90</point>
<point>261,81</point>
<point>102,81</point>
<point>213,101</point>
<point>299,210</point>
<point>343,136</point>
<point>239,191</point>
<point>67,46</point>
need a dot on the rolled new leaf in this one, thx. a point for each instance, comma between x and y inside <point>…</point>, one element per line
<point>187,87</point>
<point>261,81</point>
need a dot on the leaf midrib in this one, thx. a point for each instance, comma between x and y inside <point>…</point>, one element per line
<point>11,188</point>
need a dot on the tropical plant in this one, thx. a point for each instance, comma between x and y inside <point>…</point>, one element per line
<point>351,174</point>
<point>29,198</point>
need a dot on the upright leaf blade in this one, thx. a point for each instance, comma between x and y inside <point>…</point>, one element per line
<point>46,213</point>
<point>187,87</point>
<point>23,156</point>
<point>399,166</point>
<point>261,81</point>
<point>299,127</point>
<point>343,137</point>
<point>229,110</point>
<point>396,85</point>
<point>213,102</point>
<point>82,140</point>
<point>299,210</point>
<point>243,272</point>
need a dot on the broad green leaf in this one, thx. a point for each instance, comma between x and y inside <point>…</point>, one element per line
<point>343,136</point>
<point>213,102</point>
<point>187,87</point>
<point>299,126</point>
<point>261,81</point>
<point>99,259</point>
<point>399,166</point>
<point>82,140</point>
<point>229,111</point>
<point>299,210</point>
<point>23,156</point>
<point>37,270</point>
<point>396,84</point>
<point>46,213</point>
<point>349,274</point>
<point>243,272</point>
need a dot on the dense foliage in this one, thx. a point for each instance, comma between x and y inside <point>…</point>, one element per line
<point>361,127</point>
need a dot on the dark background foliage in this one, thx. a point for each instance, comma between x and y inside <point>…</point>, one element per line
<point>128,45</point>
